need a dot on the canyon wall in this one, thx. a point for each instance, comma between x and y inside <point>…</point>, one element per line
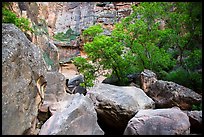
<point>58,17</point>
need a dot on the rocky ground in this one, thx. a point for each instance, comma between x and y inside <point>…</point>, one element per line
<point>47,100</point>
<point>39,102</point>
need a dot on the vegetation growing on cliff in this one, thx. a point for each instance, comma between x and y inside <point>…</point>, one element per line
<point>160,36</point>
<point>67,36</point>
<point>10,17</point>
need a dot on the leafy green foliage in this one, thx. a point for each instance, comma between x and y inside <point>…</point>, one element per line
<point>142,35</point>
<point>10,17</point>
<point>87,70</point>
<point>67,36</point>
<point>192,80</point>
<point>197,107</point>
<point>92,31</point>
<point>160,36</point>
<point>106,52</point>
<point>194,60</point>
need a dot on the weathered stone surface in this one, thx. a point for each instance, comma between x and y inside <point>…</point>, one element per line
<point>147,78</point>
<point>53,53</point>
<point>56,84</point>
<point>50,53</point>
<point>116,104</point>
<point>48,101</point>
<point>167,94</point>
<point>23,83</point>
<point>55,91</point>
<point>75,118</point>
<point>195,118</point>
<point>69,70</point>
<point>76,15</point>
<point>171,121</point>
<point>60,16</point>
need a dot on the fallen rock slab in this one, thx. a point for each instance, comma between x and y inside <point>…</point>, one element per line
<point>76,118</point>
<point>170,121</point>
<point>167,94</point>
<point>116,105</point>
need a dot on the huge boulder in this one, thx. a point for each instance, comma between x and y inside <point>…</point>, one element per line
<point>51,56</point>
<point>116,105</point>
<point>23,82</point>
<point>167,94</point>
<point>76,116</point>
<point>170,121</point>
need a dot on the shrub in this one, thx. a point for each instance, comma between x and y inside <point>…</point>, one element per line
<point>10,17</point>
<point>67,36</point>
<point>192,80</point>
<point>197,107</point>
<point>87,70</point>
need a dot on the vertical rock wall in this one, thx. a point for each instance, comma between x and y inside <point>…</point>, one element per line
<point>58,17</point>
<point>23,83</point>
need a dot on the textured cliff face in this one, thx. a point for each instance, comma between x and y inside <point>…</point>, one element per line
<point>60,16</point>
<point>23,82</point>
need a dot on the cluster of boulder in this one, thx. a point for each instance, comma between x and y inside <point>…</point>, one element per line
<point>40,102</point>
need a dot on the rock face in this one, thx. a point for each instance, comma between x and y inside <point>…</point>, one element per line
<point>76,117</point>
<point>23,83</point>
<point>167,94</point>
<point>55,90</point>
<point>50,54</point>
<point>61,16</point>
<point>69,70</point>
<point>74,85</point>
<point>195,118</point>
<point>56,84</point>
<point>116,104</point>
<point>147,78</point>
<point>171,121</point>
<point>57,17</point>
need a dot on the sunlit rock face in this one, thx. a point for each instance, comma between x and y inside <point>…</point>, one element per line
<point>169,121</point>
<point>76,116</point>
<point>118,104</point>
<point>167,94</point>
<point>60,16</point>
<point>23,82</point>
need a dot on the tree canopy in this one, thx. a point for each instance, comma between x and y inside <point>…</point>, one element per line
<point>164,37</point>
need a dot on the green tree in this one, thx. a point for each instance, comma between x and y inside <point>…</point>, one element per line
<point>152,37</point>
<point>87,70</point>
<point>140,33</point>
<point>67,36</point>
<point>91,32</point>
